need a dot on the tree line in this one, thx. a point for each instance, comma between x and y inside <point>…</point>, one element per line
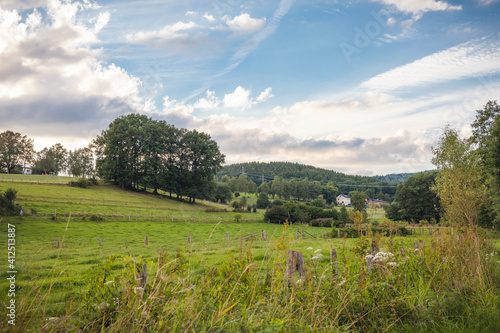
<point>17,152</point>
<point>137,152</point>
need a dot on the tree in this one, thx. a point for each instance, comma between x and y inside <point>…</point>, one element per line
<point>460,184</point>
<point>415,200</point>
<point>16,151</point>
<point>276,214</point>
<point>278,187</point>
<point>251,187</point>
<point>319,202</point>
<point>344,216</point>
<point>242,183</point>
<point>222,193</point>
<point>80,162</point>
<point>486,137</point>
<point>51,159</point>
<point>264,188</point>
<point>263,200</point>
<point>358,201</point>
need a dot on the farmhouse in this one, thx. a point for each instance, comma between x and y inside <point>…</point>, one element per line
<point>343,200</point>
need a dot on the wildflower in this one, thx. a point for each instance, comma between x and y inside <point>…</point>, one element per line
<point>341,283</point>
<point>300,281</point>
<point>318,250</point>
<point>392,264</point>
<point>52,318</point>
<point>309,248</point>
<point>113,282</point>
<point>368,257</point>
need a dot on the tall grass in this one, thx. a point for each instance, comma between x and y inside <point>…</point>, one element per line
<point>438,288</point>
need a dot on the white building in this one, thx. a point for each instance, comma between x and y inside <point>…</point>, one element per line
<point>343,200</point>
<point>27,171</point>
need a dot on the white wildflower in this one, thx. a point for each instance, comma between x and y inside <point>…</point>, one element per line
<point>314,258</point>
<point>318,250</point>
<point>368,257</point>
<point>392,264</point>
<point>300,281</point>
<point>52,318</point>
<point>341,283</point>
<point>109,282</point>
<point>383,257</point>
<point>139,288</point>
<point>309,248</point>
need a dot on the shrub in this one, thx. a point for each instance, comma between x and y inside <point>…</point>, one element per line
<point>96,218</point>
<point>81,182</point>
<point>276,214</point>
<point>237,217</point>
<point>7,205</point>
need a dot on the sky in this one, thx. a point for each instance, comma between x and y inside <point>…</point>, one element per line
<point>362,87</point>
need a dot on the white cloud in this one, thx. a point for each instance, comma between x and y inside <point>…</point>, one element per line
<point>245,24</point>
<point>240,98</point>
<point>209,103</point>
<point>475,58</point>
<point>169,32</point>
<point>210,18</point>
<point>49,74</point>
<point>487,2</point>
<point>265,95</point>
<point>417,7</point>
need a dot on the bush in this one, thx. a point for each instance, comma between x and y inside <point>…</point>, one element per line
<point>263,201</point>
<point>7,205</point>
<point>237,217</point>
<point>276,214</point>
<point>96,218</point>
<point>81,182</point>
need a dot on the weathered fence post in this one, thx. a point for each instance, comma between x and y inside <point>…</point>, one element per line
<point>262,234</point>
<point>146,240</point>
<point>296,233</point>
<point>227,236</point>
<point>294,262</point>
<point>143,275</point>
<point>100,242</point>
<point>302,231</point>
<point>314,233</point>
<point>58,243</point>
<point>369,259</point>
<point>189,237</point>
<point>55,215</point>
<point>374,248</point>
<point>338,233</point>
<point>333,262</point>
<point>322,233</point>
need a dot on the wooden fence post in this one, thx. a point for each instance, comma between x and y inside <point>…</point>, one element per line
<point>374,248</point>
<point>146,240</point>
<point>333,262</point>
<point>58,243</point>
<point>338,232</point>
<point>369,263</point>
<point>189,237</point>
<point>302,231</point>
<point>227,236</point>
<point>296,233</point>
<point>143,275</point>
<point>294,262</point>
<point>262,234</point>
<point>322,233</point>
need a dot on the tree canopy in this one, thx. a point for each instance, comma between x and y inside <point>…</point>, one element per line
<point>138,152</point>
<point>16,151</point>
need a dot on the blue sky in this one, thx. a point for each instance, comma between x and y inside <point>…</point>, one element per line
<point>362,87</point>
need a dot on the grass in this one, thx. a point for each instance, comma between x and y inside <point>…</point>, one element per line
<point>211,285</point>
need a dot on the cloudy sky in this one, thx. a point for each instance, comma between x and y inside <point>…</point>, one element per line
<point>361,86</point>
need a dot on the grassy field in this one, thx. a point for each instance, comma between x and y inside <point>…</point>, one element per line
<point>452,284</point>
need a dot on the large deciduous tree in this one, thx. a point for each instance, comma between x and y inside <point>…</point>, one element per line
<point>460,184</point>
<point>16,150</point>
<point>415,200</point>
<point>51,159</point>
<point>80,162</point>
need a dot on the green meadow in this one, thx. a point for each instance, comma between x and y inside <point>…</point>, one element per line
<point>79,262</point>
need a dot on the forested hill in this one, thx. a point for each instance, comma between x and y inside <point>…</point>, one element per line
<point>288,170</point>
<point>397,177</point>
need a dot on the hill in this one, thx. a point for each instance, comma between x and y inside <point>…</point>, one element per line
<point>259,171</point>
<point>287,170</point>
<point>397,177</point>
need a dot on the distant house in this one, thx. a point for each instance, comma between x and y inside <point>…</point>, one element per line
<point>376,202</point>
<point>27,171</point>
<point>343,200</point>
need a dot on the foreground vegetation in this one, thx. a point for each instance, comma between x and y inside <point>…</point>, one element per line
<point>211,285</point>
